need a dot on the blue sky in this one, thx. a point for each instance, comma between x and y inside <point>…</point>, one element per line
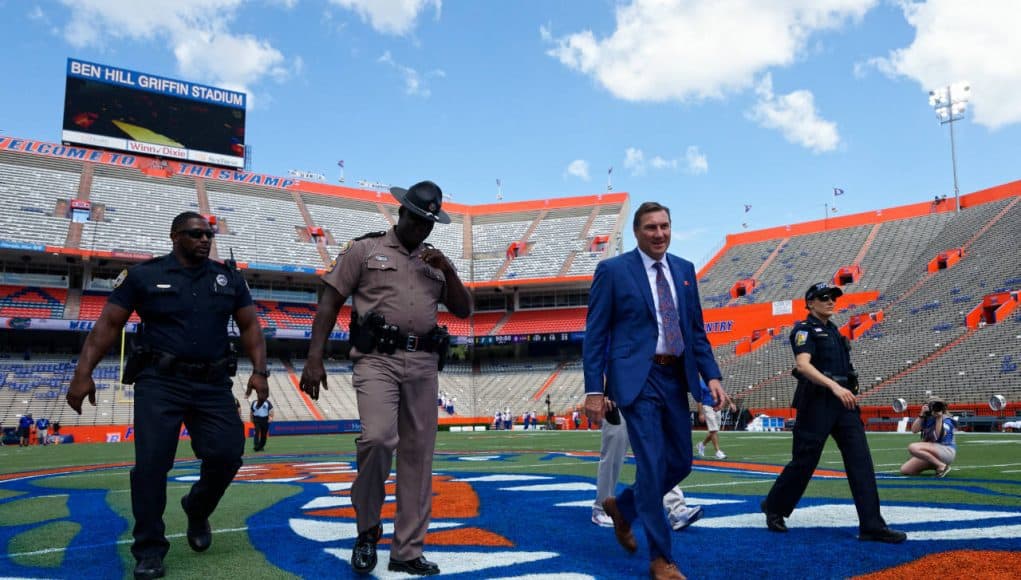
<point>704,105</point>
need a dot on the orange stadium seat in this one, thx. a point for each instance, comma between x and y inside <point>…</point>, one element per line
<point>535,321</point>
<point>91,306</point>
<point>31,302</point>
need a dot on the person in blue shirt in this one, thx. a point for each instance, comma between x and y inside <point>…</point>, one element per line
<point>42,430</point>
<point>937,449</point>
<point>24,429</point>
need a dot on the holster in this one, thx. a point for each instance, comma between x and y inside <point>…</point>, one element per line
<point>232,360</point>
<point>141,357</point>
<point>440,338</point>
<point>372,332</point>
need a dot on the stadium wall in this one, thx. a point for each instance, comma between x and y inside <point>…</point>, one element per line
<point>865,218</point>
<point>724,325</point>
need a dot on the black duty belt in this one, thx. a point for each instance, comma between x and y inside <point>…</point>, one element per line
<point>413,343</point>
<point>666,360</point>
<point>202,371</point>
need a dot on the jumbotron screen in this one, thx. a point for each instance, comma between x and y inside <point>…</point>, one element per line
<point>121,109</point>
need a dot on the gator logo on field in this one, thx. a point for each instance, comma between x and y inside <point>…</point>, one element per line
<point>522,525</point>
<point>57,523</point>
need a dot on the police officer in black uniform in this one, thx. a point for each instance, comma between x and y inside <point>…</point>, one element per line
<point>182,368</point>
<point>827,405</point>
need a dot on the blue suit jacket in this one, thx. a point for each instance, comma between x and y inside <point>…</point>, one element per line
<point>621,330</point>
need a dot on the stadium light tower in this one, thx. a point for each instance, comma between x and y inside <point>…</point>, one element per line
<point>950,103</point>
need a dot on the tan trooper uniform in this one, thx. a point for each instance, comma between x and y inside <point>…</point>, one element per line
<point>396,392</point>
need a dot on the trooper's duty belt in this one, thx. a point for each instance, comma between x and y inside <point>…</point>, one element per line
<point>413,343</point>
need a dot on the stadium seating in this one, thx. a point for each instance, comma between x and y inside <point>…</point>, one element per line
<point>921,345</point>
<point>32,302</point>
<point>30,188</point>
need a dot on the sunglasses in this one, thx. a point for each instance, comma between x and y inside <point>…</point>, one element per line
<point>826,298</point>
<point>198,233</point>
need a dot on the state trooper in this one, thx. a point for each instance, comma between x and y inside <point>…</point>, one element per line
<point>827,405</point>
<point>396,282</point>
<point>181,368</point>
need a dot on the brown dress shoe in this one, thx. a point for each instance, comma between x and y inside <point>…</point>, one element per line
<point>660,569</point>
<point>621,527</point>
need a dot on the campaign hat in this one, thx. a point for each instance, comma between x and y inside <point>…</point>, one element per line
<point>424,199</point>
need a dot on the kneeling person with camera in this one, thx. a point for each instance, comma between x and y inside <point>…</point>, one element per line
<point>937,449</point>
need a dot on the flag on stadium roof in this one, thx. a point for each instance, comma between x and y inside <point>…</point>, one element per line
<point>837,191</point>
<point>610,170</point>
<point>747,208</point>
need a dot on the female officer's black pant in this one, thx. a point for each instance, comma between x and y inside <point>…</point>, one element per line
<point>820,416</point>
<point>209,413</point>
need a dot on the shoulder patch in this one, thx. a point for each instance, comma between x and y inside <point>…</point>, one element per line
<point>378,234</point>
<point>800,337</point>
<point>345,248</point>
<point>120,278</point>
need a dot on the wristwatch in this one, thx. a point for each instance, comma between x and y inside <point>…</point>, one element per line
<point>261,373</point>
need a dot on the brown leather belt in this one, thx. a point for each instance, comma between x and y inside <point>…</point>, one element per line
<point>665,359</point>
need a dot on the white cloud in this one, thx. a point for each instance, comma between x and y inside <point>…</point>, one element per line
<point>396,17</point>
<point>682,235</point>
<point>288,4</point>
<point>546,32</point>
<point>976,42</point>
<point>36,13</point>
<point>197,32</point>
<point>414,82</point>
<point>693,161</point>
<point>697,162</point>
<point>794,115</point>
<point>578,168</point>
<point>634,160</point>
<point>690,50</point>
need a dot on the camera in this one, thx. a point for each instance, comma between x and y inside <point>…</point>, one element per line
<point>936,407</point>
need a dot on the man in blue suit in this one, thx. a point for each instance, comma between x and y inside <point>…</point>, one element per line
<point>645,348</point>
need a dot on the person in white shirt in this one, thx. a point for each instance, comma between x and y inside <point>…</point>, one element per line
<point>711,418</point>
<point>611,458</point>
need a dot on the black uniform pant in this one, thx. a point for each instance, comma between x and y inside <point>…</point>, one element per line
<point>820,416</point>
<point>209,412</point>
<point>261,432</point>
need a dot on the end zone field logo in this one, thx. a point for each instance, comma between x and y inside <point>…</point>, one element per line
<point>487,523</point>
<point>518,526</point>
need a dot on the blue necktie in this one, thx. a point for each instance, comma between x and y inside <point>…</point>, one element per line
<point>668,312</point>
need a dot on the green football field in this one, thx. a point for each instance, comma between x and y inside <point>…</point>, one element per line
<point>60,506</point>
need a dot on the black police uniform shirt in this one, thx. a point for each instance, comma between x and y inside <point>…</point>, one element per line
<point>825,343</point>
<point>184,311</point>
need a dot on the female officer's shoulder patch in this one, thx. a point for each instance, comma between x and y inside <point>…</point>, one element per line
<point>800,337</point>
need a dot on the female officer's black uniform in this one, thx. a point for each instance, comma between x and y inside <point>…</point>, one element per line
<point>821,414</point>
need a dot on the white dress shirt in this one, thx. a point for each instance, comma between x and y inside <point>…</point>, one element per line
<point>650,273</point>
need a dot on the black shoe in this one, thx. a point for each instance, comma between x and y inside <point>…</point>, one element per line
<point>363,557</point>
<point>149,567</point>
<point>418,566</point>
<point>200,535</point>
<point>774,521</point>
<point>883,534</point>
